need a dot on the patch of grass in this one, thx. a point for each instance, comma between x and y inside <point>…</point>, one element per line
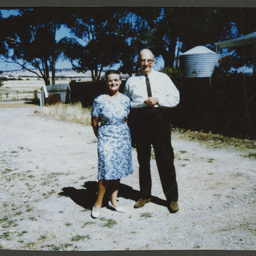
<point>67,245</point>
<point>7,171</point>
<point>5,205</point>
<point>58,173</point>
<point>9,223</point>
<point>146,215</point>
<point>210,160</point>
<point>177,156</point>
<point>251,155</point>
<point>31,245</point>
<point>68,224</point>
<point>57,248</point>
<point>22,233</point>
<point>109,222</point>
<point>5,218</point>
<point>183,151</point>
<point>49,193</point>
<point>5,235</point>
<point>78,238</point>
<point>93,141</point>
<point>87,223</point>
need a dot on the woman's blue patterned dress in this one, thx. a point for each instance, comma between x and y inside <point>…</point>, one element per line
<point>114,140</point>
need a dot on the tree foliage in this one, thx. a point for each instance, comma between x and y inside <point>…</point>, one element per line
<point>192,27</point>
<point>99,41</point>
<point>104,37</point>
<point>32,39</point>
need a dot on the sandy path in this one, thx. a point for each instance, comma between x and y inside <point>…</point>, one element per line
<point>48,178</point>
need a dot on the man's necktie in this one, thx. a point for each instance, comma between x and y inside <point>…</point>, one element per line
<point>148,87</point>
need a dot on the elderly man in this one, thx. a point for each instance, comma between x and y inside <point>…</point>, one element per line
<point>152,93</point>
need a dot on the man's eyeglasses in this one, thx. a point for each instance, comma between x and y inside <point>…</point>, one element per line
<point>150,61</point>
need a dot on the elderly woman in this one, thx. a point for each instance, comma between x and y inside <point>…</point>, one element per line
<point>109,122</point>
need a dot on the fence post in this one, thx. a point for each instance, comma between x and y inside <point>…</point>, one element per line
<point>41,97</point>
<point>44,94</point>
<point>35,96</point>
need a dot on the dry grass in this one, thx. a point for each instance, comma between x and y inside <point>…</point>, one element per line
<point>14,105</point>
<point>216,140</point>
<point>70,112</point>
<point>76,113</point>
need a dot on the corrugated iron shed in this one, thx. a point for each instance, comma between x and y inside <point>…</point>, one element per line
<point>249,39</point>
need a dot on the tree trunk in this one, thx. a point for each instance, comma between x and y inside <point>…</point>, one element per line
<point>169,56</point>
<point>47,76</point>
<point>53,68</point>
<point>46,80</point>
<point>54,56</point>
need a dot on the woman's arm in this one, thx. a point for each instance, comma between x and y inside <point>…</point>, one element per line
<point>95,125</point>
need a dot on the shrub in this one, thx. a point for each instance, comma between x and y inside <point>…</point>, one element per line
<point>173,72</point>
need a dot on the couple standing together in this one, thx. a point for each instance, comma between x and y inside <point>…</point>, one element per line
<point>148,95</point>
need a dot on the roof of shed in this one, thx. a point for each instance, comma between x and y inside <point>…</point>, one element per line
<point>247,39</point>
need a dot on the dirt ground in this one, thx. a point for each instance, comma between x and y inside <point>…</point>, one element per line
<point>48,185</point>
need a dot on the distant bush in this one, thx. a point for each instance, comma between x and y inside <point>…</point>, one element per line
<point>173,72</point>
<point>224,69</point>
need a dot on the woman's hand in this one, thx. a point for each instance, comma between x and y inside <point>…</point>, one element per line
<point>95,125</point>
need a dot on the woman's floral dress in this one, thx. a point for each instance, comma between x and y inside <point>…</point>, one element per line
<point>114,140</point>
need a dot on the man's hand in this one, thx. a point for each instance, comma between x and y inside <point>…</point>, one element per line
<point>151,101</point>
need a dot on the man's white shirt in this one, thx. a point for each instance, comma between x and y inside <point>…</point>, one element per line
<point>162,88</point>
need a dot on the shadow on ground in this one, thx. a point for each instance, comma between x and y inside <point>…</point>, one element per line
<point>87,197</point>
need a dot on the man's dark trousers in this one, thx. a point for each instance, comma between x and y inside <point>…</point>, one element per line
<point>151,126</point>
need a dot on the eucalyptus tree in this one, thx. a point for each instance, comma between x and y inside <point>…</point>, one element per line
<point>32,40</point>
<point>97,41</point>
<point>191,27</point>
<point>3,34</point>
<point>244,20</point>
<point>137,26</point>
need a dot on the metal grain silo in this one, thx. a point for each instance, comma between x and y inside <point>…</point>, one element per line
<point>199,62</point>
